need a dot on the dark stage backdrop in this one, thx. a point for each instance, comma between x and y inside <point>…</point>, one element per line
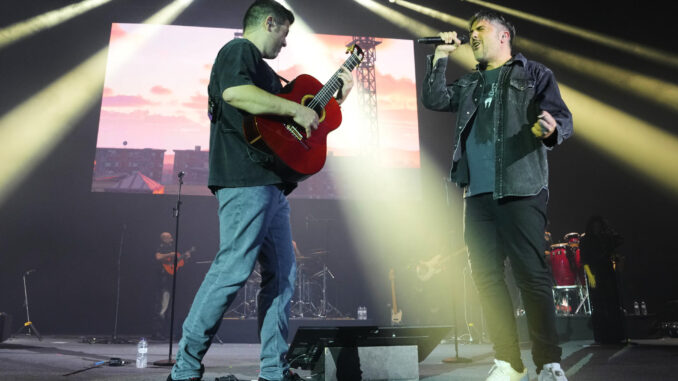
<point>72,237</point>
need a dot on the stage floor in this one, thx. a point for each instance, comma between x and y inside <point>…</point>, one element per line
<point>26,358</point>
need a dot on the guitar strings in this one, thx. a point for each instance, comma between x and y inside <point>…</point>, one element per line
<point>332,85</point>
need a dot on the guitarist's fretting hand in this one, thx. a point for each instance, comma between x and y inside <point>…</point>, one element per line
<point>347,80</point>
<point>307,118</point>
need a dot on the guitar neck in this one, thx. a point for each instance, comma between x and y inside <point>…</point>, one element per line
<point>393,296</point>
<point>333,84</point>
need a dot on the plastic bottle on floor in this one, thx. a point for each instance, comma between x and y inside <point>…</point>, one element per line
<point>142,353</point>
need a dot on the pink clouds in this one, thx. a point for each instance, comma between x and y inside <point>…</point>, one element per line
<point>159,90</point>
<point>143,129</point>
<point>198,101</point>
<point>124,101</point>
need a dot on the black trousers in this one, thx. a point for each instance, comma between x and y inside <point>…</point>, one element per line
<point>512,227</point>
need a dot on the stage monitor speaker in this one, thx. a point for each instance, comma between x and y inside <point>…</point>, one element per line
<point>5,326</point>
<point>363,352</point>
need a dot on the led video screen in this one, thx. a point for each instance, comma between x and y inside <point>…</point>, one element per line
<point>154,123</point>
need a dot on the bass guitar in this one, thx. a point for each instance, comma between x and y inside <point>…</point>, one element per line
<point>298,156</point>
<point>396,314</point>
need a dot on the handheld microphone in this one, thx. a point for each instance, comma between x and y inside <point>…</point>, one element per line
<point>437,40</point>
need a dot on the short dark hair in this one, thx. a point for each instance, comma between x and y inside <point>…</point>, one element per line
<point>492,16</point>
<point>260,9</point>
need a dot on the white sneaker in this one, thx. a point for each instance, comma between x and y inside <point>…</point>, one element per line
<point>502,371</point>
<point>552,372</point>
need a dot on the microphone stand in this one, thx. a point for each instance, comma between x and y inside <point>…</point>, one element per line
<point>28,325</point>
<point>169,361</point>
<point>456,359</point>
<point>114,337</point>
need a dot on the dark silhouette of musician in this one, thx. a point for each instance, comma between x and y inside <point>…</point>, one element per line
<point>598,254</point>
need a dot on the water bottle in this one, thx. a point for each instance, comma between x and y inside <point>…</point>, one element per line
<point>636,308</point>
<point>643,308</point>
<point>142,353</point>
<point>362,313</point>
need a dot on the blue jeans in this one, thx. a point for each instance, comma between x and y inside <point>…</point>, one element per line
<point>254,224</point>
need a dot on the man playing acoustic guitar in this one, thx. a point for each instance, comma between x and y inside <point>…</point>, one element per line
<point>165,256</point>
<point>254,214</point>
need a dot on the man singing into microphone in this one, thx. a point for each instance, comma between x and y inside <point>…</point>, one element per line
<point>509,115</point>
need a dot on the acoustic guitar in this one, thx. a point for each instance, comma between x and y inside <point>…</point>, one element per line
<point>181,258</point>
<point>298,156</point>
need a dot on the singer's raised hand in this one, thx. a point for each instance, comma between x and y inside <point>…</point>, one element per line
<point>451,44</point>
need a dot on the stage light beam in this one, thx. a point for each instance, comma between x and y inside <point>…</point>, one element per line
<point>464,57</point>
<point>656,55</point>
<point>32,129</point>
<point>23,29</point>
<point>654,90</point>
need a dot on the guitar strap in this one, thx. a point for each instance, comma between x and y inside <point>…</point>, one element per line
<point>212,108</point>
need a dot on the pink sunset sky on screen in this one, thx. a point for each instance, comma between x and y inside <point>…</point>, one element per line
<point>155,92</point>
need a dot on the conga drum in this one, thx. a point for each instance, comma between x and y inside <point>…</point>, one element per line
<point>560,265</point>
<point>573,240</point>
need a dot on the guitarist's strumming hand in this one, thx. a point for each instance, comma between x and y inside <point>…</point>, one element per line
<point>306,118</point>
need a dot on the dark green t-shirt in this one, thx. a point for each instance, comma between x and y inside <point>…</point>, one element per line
<point>232,161</point>
<point>480,142</point>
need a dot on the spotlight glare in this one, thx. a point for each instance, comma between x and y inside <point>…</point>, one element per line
<point>23,29</point>
<point>662,57</point>
<point>56,109</point>
<point>417,28</point>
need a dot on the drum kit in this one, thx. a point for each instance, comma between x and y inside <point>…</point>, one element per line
<point>570,292</point>
<point>310,291</point>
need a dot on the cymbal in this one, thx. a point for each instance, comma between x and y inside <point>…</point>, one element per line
<point>320,252</point>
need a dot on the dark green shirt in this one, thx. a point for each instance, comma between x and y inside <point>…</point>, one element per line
<point>232,161</point>
<point>480,142</point>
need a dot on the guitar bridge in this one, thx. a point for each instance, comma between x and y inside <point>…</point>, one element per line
<point>297,135</point>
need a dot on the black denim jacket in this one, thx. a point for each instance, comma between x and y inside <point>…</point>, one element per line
<point>525,88</point>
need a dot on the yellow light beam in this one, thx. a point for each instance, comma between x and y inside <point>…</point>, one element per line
<point>656,55</point>
<point>26,28</point>
<point>652,89</point>
<point>464,57</point>
<point>647,149</point>
<point>445,17</point>
<point>31,130</point>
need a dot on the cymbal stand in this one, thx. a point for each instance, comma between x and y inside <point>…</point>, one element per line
<point>247,309</point>
<point>303,306</point>
<point>28,325</point>
<point>326,306</point>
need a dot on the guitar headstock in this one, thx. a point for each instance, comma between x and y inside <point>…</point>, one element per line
<point>357,51</point>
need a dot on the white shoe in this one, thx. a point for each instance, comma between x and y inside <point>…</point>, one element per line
<point>552,372</point>
<point>502,371</point>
